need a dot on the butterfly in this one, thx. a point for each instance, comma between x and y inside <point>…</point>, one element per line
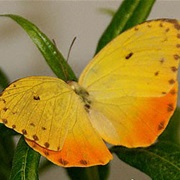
<point>125,96</point>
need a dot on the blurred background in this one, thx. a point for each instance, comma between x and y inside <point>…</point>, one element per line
<point>62,21</point>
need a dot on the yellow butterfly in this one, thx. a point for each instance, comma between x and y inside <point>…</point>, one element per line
<point>125,96</point>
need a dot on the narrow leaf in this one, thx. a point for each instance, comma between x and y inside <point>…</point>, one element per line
<point>172,132</point>
<point>51,54</point>
<point>3,80</point>
<point>130,13</point>
<point>160,161</point>
<point>91,173</point>
<point>6,131</point>
<point>25,162</point>
<point>6,156</point>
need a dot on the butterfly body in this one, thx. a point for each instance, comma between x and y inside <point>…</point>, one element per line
<point>125,96</point>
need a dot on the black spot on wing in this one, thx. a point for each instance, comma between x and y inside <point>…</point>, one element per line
<point>176,56</point>
<point>174,69</point>
<point>36,98</point>
<point>46,144</point>
<point>161,125</point>
<point>5,121</point>
<point>128,56</point>
<point>35,137</point>
<point>170,107</point>
<point>32,124</point>
<point>14,126</point>
<point>63,161</point>
<point>156,73</point>
<point>24,132</point>
<point>171,81</point>
<point>83,162</point>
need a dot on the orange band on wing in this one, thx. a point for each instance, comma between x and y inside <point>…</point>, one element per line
<point>77,151</point>
<point>153,118</point>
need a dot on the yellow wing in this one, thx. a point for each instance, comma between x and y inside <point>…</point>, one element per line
<point>130,83</point>
<point>142,61</point>
<point>82,146</point>
<point>48,112</point>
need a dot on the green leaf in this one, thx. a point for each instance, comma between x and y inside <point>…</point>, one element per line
<point>161,161</point>
<point>51,54</point>
<point>3,80</point>
<point>7,148</point>
<point>91,173</point>
<point>25,162</point>
<point>130,13</point>
<point>6,155</point>
<point>6,131</point>
<point>172,132</point>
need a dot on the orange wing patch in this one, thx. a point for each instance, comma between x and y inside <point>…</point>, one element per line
<point>153,118</point>
<point>138,121</point>
<point>77,151</point>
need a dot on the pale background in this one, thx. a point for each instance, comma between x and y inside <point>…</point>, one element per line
<point>62,21</point>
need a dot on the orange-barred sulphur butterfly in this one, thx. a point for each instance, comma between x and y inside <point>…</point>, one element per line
<point>125,96</point>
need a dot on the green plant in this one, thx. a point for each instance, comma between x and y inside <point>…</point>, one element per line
<point>161,162</point>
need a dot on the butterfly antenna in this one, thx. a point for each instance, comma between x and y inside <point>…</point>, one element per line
<point>70,48</point>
